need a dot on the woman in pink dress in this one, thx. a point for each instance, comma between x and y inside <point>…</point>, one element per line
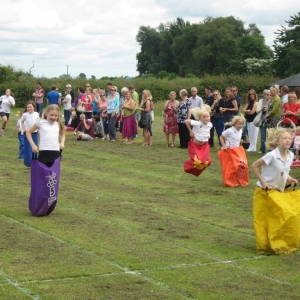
<point>170,118</point>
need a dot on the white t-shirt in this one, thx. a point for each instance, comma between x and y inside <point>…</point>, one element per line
<point>20,127</point>
<point>201,130</point>
<point>49,135</point>
<point>233,137</point>
<point>67,105</point>
<point>6,106</point>
<point>275,171</point>
<point>29,119</point>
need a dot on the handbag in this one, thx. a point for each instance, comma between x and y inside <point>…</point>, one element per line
<point>142,123</point>
<point>80,108</point>
<point>257,120</point>
<point>44,187</point>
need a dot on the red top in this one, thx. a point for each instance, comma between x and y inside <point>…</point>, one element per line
<point>87,102</point>
<point>293,107</point>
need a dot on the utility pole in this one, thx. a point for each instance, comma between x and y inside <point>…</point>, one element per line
<point>67,70</point>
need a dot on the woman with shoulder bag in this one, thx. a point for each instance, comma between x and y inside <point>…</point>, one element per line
<point>145,120</point>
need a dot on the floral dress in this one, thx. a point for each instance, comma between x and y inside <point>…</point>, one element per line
<point>170,118</point>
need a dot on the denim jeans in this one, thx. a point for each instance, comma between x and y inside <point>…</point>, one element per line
<point>219,127</point>
<point>21,145</point>
<point>112,126</point>
<point>67,115</point>
<point>39,108</point>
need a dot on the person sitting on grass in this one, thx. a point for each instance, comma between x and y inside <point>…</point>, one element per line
<point>85,129</point>
<point>98,128</point>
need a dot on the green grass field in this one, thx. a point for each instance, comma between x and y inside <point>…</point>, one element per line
<point>130,224</point>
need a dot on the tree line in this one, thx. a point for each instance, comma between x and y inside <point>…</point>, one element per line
<point>217,46</point>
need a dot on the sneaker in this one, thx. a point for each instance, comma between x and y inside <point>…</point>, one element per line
<point>260,152</point>
<point>1,132</point>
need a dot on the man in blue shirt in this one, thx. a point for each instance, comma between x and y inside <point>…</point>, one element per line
<point>53,96</point>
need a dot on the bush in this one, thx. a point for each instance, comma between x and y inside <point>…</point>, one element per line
<point>23,85</point>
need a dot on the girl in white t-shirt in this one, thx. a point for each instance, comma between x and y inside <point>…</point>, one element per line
<point>28,119</point>
<point>233,134</point>
<point>52,135</point>
<point>7,101</point>
<point>200,128</point>
<point>276,163</point>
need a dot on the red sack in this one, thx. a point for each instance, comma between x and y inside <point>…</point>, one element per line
<point>234,167</point>
<point>199,158</point>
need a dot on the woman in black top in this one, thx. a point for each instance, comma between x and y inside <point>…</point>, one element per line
<point>217,117</point>
<point>230,106</point>
<point>182,115</point>
<point>250,113</point>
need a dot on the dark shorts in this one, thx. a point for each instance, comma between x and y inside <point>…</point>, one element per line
<point>2,114</point>
<point>47,157</point>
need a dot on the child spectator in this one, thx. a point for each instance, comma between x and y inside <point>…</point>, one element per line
<point>98,128</point>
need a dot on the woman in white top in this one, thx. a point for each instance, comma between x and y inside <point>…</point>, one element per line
<point>67,106</point>
<point>27,120</point>
<point>6,103</point>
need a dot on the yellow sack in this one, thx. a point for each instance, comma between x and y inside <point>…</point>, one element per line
<point>276,221</point>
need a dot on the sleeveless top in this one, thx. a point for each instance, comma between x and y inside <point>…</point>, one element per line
<point>250,118</point>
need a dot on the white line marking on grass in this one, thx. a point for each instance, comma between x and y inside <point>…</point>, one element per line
<point>17,285</point>
<point>124,269</point>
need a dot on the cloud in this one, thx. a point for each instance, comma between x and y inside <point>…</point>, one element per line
<point>99,37</point>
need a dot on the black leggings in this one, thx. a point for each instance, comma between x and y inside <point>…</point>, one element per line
<point>47,157</point>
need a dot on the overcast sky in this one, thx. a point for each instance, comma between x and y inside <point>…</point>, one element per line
<point>98,37</point>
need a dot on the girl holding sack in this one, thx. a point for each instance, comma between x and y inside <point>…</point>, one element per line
<point>198,146</point>
<point>45,171</point>
<point>232,157</point>
<point>276,210</point>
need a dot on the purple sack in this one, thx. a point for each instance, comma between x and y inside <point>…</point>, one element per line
<point>44,187</point>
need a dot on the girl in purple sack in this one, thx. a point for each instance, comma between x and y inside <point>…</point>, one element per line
<point>51,133</point>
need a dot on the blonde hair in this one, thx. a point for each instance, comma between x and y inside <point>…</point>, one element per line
<point>273,136</point>
<point>235,120</point>
<point>60,123</point>
<point>197,112</point>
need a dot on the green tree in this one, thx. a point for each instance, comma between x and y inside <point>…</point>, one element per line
<point>287,48</point>
<point>147,60</point>
<point>82,75</point>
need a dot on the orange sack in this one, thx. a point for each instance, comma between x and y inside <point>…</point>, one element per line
<point>234,165</point>
<point>199,158</point>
